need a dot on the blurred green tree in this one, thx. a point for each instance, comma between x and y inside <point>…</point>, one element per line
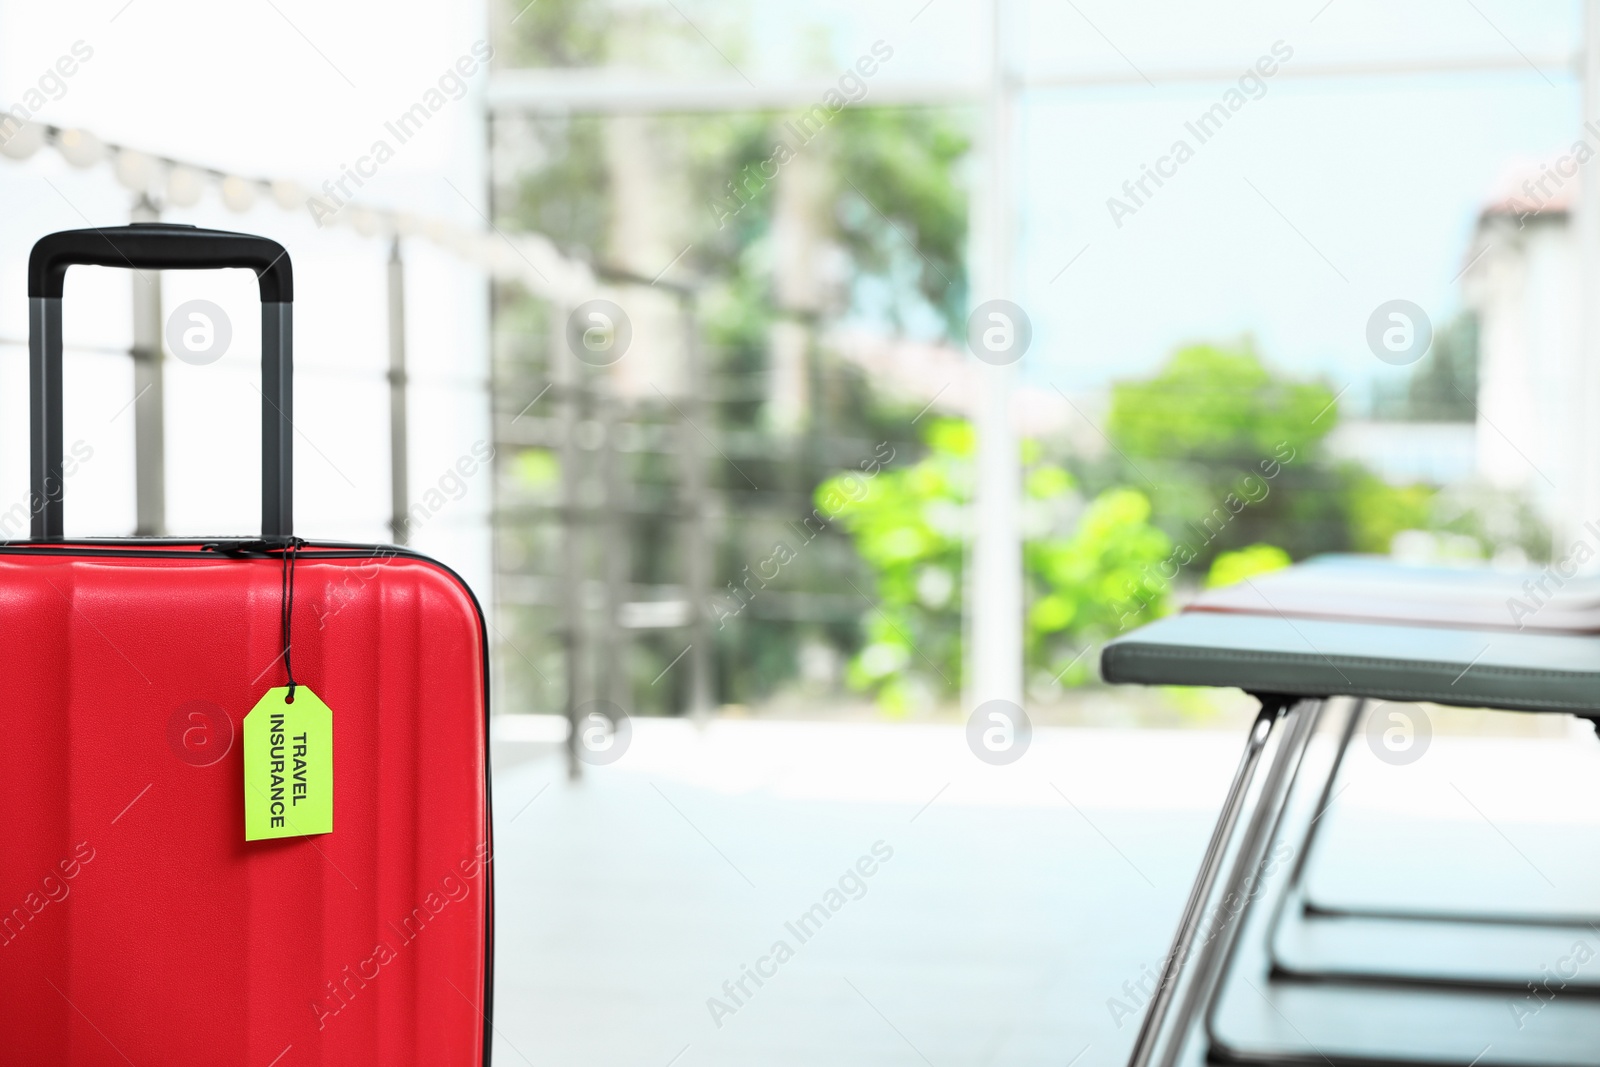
<point>865,223</point>
<point>1377,510</point>
<point>1443,387</point>
<point>1215,404</point>
<point>1231,568</point>
<point>1231,455</point>
<point>1084,568</point>
<point>1235,455</point>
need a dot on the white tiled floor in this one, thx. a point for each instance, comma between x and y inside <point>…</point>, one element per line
<point>1014,905</point>
<point>1017,901</point>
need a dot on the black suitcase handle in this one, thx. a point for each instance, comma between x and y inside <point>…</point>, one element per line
<point>160,246</point>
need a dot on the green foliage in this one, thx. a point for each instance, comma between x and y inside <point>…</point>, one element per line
<point>1090,582</point>
<point>1379,510</point>
<point>1235,459</point>
<point>1231,454</point>
<point>1231,568</point>
<point>1443,387</point>
<point>1218,404</point>
<point>877,197</point>
<point>909,526</point>
<point>891,199</point>
<point>555,33</point>
<point>565,197</point>
<point>536,468</point>
<point>900,215</point>
<point>1498,520</point>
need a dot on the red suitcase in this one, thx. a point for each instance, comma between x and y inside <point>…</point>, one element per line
<point>137,924</point>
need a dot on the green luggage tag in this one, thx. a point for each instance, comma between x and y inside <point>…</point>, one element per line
<point>288,747</point>
<point>288,766</point>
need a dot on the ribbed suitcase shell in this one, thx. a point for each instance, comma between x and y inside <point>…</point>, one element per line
<point>136,923</point>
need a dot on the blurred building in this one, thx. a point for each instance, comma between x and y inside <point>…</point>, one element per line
<point>1522,280</point>
<point>1493,403</point>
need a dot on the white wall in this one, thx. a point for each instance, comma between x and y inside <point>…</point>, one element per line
<point>292,89</point>
<point>1525,289</point>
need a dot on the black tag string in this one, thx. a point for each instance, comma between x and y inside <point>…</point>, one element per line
<point>286,588</point>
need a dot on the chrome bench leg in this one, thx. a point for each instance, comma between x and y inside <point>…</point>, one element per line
<point>1249,873</point>
<point>1272,708</point>
<point>1359,712</point>
<point>1295,905</point>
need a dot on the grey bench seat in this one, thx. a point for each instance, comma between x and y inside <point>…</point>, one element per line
<point>1376,589</point>
<point>1276,654</point>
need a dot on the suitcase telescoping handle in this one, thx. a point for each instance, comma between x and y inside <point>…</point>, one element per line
<point>160,246</point>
